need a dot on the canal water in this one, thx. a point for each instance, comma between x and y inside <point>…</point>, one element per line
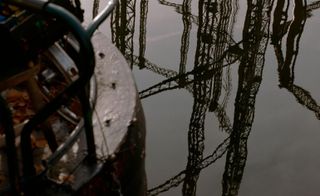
<point>230,91</point>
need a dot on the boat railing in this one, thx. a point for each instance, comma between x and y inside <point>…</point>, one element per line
<point>85,64</point>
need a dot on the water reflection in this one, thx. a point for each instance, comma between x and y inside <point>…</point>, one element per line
<point>255,38</point>
<point>293,29</point>
<point>123,27</point>
<point>209,80</point>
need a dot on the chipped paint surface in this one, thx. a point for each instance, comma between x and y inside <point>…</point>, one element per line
<point>116,96</point>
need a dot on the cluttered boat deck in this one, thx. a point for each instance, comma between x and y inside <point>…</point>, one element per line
<point>55,154</point>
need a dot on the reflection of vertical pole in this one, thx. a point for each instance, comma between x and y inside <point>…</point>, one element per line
<point>186,18</point>
<point>255,38</point>
<point>142,33</point>
<point>295,32</point>
<point>279,20</point>
<point>95,9</point>
<point>201,90</point>
<point>114,24</point>
<point>118,23</point>
<point>122,28</point>
<point>224,30</point>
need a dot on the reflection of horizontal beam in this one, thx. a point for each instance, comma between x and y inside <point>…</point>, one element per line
<point>173,83</point>
<point>304,98</point>
<point>179,178</point>
<point>155,68</point>
<point>201,71</point>
<point>164,2</point>
<point>179,10</point>
<point>231,55</point>
<point>313,6</point>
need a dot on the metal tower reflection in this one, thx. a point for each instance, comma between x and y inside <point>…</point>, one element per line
<point>209,79</point>
<point>286,62</point>
<point>212,47</point>
<point>95,9</point>
<point>255,38</point>
<point>122,27</point>
<point>142,32</point>
<point>224,31</point>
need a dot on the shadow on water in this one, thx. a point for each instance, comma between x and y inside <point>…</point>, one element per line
<point>209,80</point>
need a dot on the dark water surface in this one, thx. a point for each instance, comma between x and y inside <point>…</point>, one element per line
<point>230,91</point>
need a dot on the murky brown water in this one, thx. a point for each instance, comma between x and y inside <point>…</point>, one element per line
<point>230,91</point>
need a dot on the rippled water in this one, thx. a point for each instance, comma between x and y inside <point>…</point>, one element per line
<point>230,91</point>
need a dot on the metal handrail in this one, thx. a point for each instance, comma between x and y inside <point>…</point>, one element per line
<point>96,22</point>
<point>86,69</point>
